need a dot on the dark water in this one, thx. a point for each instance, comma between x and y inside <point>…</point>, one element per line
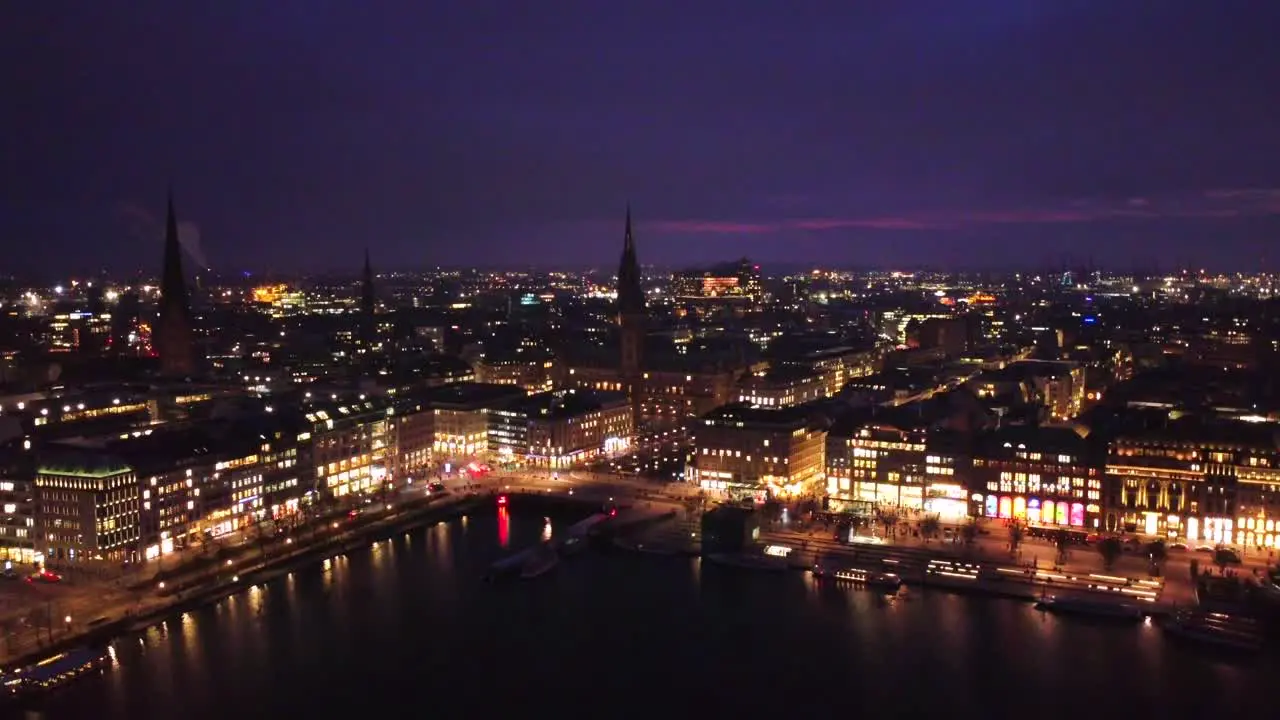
<point>408,629</point>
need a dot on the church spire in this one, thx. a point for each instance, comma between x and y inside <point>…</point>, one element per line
<point>631,324</point>
<point>173,285</point>
<point>174,340</point>
<point>368,304</point>
<point>366,289</point>
<point>629,242</point>
<point>630,294</point>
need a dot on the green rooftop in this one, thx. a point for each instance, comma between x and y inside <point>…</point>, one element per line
<point>86,470</point>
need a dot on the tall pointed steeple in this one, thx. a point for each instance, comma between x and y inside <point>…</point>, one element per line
<point>173,286</point>
<point>367,297</point>
<point>365,326</point>
<point>630,294</point>
<point>173,337</point>
<point>632,318</point>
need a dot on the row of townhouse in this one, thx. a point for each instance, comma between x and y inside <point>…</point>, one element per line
<point>1188,479</point>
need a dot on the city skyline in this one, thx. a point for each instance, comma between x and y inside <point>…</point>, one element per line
<point>992,134</point>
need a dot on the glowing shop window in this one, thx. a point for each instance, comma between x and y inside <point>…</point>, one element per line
<point>1020,507</point>
<point>1077,514</point>
<point>1006,507</point>
<point>1046,513</point>
<point>1149,526</point>
<point>1033,510</point>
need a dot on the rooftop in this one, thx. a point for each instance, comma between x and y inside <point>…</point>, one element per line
<point>472,395</point>
<point>567,403</point>
<point>795,415</point>
<point>83,464</point>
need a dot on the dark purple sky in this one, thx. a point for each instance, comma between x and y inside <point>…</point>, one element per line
<point>894,133</point>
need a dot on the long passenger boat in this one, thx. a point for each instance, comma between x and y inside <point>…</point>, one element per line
<point>54,671</point>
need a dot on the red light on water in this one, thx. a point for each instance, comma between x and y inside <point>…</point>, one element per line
<point>613,512</point>
<point>504,527</point>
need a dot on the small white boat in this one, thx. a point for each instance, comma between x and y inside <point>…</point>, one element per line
<point>1091,607</point>
<point>859,576</point>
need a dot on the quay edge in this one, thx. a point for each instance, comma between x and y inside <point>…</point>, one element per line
<point>272,568</point>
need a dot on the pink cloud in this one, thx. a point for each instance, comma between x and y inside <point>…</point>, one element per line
<point>876,223</point>
<point>1212,204</point>
<point>713,227</point>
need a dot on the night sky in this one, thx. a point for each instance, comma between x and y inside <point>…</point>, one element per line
<point>1010,133</point>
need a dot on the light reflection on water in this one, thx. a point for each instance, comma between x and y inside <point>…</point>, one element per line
<point>419,620</point>
<point>504,527</point>
<point>440,538</point>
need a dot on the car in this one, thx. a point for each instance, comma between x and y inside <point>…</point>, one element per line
<point>44,576</point>
<point>1178,546</point>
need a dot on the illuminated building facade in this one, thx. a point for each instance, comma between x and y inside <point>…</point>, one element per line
<point>668,397</point>
<point>17,509</point>
<point>895,461</point>
<point>739,280</point>
<point>81,412</point>
<point>534,375</point>
<point>746,451</point>
<point>1042,476</point>
<point>461,416</point>
<point>572,426</point>
<point>86,508</point>
<point>413,428</point>
<point>783,387</point>
<point>1206,483</point>
<point>1057,387</point>
<point>349,446</point>
<point>77,331</point>
<point>836,366</point>
<point>280,300</point>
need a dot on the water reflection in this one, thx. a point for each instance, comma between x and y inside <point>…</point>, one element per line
<point>546,529</point>
<point>504,527</point>
<point>425,624</point>
<point>441,536</point>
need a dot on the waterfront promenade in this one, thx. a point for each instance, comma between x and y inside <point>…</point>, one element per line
<point>46,616</point>
<point>33,616</point>
<point>990,547</point>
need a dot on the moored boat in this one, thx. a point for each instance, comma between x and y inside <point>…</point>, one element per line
<point>1091,607</point>
<point>858,576</point>
<point>1228,632</point>
<point>55,671</point>
<point>952,574</point>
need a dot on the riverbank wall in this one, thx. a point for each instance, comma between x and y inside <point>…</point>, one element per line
<point>159,607</point>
